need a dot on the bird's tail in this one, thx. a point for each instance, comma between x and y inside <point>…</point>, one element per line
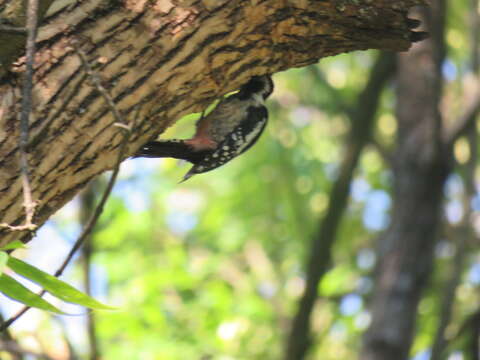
<point>177,149</point>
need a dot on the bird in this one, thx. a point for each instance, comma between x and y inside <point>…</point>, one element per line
<point>229,130</point>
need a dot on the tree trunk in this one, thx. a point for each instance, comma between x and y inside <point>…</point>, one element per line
<point>362,118</point>
<point>159,60</point>
<point>422,163</point>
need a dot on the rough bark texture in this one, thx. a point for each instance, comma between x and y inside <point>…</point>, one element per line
<point>159,60</point>
<point>422,163</point>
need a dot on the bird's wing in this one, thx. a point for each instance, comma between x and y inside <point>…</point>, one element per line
<point>239,140</point>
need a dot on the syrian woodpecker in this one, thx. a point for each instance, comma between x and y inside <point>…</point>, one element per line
<point>227,131</point>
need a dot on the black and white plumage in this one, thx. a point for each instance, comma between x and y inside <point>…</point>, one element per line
<point>227,131</point>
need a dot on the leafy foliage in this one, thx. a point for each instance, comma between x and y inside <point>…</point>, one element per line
<point>214,268</point>
<point>16,291</point>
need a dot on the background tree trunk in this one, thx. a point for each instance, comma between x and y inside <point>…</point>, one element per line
<point>159,60</point>
<point>362,119</point>
<point>422,162</point>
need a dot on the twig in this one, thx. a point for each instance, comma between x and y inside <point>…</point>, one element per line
<point>28,202</point>
<point>98,84</point>
<point>121,152</point>
<point>99,209</point>
<point>87,206</point>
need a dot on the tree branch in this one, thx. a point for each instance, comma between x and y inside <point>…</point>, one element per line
<point>86,208</point>
<point>122,124</point>
<point>152,52</point>
<point>28,202</point>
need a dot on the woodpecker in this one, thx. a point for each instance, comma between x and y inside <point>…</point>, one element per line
<point>227,131</point>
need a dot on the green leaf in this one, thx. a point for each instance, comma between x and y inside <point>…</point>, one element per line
<point>16,291</point>
<point>16,244</point>
<point>3,261</point>
<point>54,286</point>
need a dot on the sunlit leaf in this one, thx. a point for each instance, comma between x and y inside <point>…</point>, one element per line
<point>16,291</point>
<point>337,281</point>
<point>54,286</point>
<point>16,244</point>
<point>3,260</point>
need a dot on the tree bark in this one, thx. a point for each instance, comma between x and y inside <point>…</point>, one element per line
<point>159,60</point>
<point>422,163</point>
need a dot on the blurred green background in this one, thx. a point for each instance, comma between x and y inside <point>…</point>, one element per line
<point>213,268</point>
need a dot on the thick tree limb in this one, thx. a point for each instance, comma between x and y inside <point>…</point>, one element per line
<point>13,32</point>
<point>170,57</point>
<point>92,221</point>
